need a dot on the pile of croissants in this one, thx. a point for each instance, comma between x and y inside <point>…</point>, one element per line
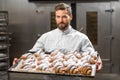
<point>57,62</point>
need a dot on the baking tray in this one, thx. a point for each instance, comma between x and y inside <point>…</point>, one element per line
<point>20,75</point>
<point>93,72</point>
<point>31,75</point>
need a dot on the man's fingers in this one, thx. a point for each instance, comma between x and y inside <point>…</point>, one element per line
<point>15,61</point>
<point>99,66</point>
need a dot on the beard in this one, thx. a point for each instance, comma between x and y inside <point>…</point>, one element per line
<point>62,26</point>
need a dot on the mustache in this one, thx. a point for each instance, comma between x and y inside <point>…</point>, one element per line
<point>61,23</point>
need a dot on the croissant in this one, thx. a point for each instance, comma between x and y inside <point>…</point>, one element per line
<point>24,56</point>
<point>54,53</point>
<point>85,70</point>
<point>60,69</point>
<point>73,70</point>
<point>43,67</point>
<point>78,55</point>
<point>25,67</point>
<point>58,64</point>
<point>92,60</point>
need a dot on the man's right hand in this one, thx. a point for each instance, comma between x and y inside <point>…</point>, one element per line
<point>15,61</point>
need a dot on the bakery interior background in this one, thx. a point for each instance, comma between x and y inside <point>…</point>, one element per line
<point>29,19</point>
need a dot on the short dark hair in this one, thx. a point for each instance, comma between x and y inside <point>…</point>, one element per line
<point>63,6</point>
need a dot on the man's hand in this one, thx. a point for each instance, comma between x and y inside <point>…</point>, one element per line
<point>99,64</point>
<point>15,61</point>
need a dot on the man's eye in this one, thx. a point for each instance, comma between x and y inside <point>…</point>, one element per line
<point>64,16</point>
<point>57,16</point>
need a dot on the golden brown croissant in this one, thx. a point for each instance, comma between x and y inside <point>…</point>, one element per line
<point>85,70</point>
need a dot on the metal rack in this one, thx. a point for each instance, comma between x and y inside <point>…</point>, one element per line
<point>4,45</point>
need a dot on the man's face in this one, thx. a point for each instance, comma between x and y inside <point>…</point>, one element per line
<point>62,19</point>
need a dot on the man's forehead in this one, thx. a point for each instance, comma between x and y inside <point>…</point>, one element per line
<point>61,12</point>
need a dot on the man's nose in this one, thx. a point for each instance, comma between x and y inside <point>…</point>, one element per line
<point>61,19</point>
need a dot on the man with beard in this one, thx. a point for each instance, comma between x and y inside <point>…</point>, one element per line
<point>64,37</point>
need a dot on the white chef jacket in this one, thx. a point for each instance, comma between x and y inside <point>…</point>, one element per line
<point>69,40</point>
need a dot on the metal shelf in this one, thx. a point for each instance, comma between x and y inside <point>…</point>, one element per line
<point>3,64</point>
<point>3,73</point>
<point>3,28</point>
<point>4,33</point>
<point>3,24</point>
<point>3,38</point>
<point>2,20</point>
<point>4,44</point>
<point>3,56</point>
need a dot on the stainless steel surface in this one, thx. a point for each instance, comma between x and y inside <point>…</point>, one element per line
<point>116,36</point>
<point>3,75</point>
<point>105,76</point>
